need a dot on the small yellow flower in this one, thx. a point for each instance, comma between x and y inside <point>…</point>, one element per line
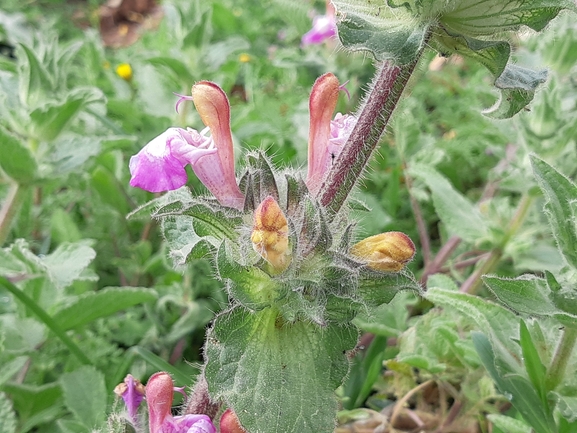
<point>124,71</point>
<point>244,58</point>
<point>106,64</point>
<point>387,252</point>
<point>270,234</point>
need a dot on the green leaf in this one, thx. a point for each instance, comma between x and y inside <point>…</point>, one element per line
<point>30,401</point>
<point>567,406</point>
<point>71,426</point>
<point>516,388</point>
<point>508,424</point>
<point>50,119</point>
<point>63,228</point>
<point>70,153</point>
<point>180,237</point>
<point>457,213</point>
<point>160,364</point>
<point>17,160</point>
<point>11,367</point>
<point>377,288</point>
<point>94,305</point>
<point>85,395</point>
<point>560,208</point>
<point>179,69</point>
<point>68,263</point>
<point>277,376</point>
<point>7,415</point>
<point>247,285</point>
<point>535,368</point>
<point>501,324</point>
<point>516,84</point>
<point>526,294</point>
<point>35,80</point>
<point>488,17</point>
<point>109,190</point>
<point>387,34</point>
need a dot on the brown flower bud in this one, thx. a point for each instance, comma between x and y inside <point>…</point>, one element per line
<point>229,423</point>
<point>387,252</point>
<point>270,234</point>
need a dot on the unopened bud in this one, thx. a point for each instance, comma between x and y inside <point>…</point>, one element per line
<point>387,252</point>
<point>229,423</point>
<point>270,234</point>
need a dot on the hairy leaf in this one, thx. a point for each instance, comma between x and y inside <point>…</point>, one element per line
<point>106,302</point>
<point>560,208</point>
<point>277,376</point>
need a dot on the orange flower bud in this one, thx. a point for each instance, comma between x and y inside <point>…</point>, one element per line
<point>387,252</point>
<point>229,423</point>
<point>270,234</point>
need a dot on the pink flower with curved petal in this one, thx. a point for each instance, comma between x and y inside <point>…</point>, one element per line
<point>160,165</point>
<point>159,395</point>
<point>326,137</point>
<point>324,27</point>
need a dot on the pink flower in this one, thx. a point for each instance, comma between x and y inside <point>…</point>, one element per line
<point>159,395</point>
<point>160,165</point>
<point>326,137</point>
<point>324,27</point>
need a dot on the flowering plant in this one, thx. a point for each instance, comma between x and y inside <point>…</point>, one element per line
<point>293,276</point>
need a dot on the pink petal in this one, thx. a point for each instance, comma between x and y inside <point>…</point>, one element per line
<point>217,173</point>
<point>159,395</point>
<point>322,104</point>
<point>159,166</point>
<point>324,27</point>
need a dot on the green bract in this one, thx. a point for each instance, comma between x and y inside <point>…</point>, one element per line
<point>285,335</point>
<point>400,30</point>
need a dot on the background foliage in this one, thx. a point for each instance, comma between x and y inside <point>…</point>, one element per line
<point>88,295</point>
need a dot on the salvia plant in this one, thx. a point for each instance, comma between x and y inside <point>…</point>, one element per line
<point>284,243</point>
<point>301,283</point>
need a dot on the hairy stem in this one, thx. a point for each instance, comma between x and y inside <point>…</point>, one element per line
<point>556,370</point>
<point>387,87</point>
<point>10,209</point>
<point>48,321</point>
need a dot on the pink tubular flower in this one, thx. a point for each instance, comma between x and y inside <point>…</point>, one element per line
<point>326,137</point>
<point>324,27</point>
<point>160,165</point>
<point>159,395</point>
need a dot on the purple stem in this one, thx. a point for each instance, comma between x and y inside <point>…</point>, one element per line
<point>388,85</point>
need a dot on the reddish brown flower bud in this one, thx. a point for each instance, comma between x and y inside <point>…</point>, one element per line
<point>387,252</point>
<point>270,234</point>
<point>229,423</point>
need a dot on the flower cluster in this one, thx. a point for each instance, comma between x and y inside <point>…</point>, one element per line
<point>160,165</point>
<point>159,393</point>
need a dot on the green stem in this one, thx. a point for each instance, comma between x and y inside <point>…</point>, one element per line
<point>556,370</point>
<point>386,90</point>
<point>48,321</point>
<point>10,209</point>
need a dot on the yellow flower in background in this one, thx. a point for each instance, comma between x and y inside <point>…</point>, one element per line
<point>124,71</point>
<point>244,58</point>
